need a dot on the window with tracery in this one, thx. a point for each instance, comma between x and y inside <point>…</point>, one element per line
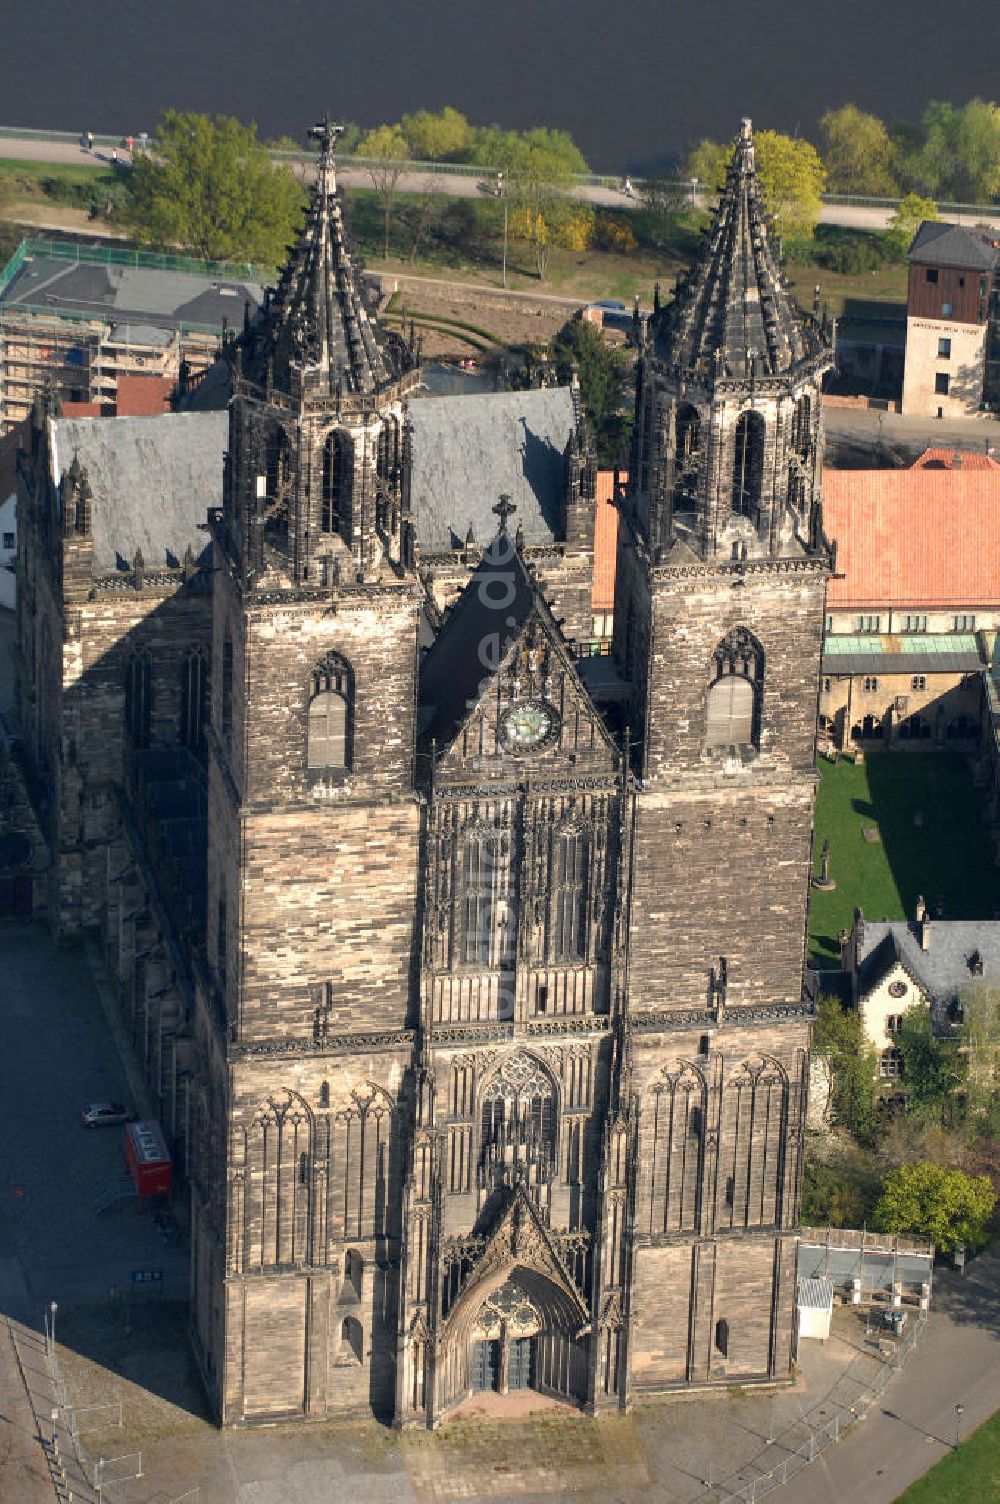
<point>485,913</point>
<point>139,699</point>
<point>733,705</point>
<point>337,463</point>
<point>518,1115</point>
<point>570,860</point>
<point>748,464</point>
<point>330,715</point>
<point>194,701</point>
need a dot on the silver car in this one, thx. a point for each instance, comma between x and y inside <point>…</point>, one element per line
<point>104,1115</point>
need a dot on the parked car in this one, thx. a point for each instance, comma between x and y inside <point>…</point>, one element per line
<point>105,1115</point>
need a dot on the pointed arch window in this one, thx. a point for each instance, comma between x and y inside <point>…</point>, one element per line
<point>688,444</point>
<point>194,701</point>
<point>485,918</point>
<point>748,465</point>
<point>331,713</point>
<point>518,1115</point>
<point>139,699</point>
<point>734,695</point>
<point>336,482</point>
<point>570,863</point>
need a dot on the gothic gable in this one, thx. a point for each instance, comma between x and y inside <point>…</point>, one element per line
<point>500,694</point>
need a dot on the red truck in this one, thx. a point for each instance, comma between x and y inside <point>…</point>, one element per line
<point>147,1158</point>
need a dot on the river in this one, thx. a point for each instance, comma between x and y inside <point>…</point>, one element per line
<point>635,83</point>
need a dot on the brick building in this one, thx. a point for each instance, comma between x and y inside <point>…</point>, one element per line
<point>470,989</point>
<point>952,321</point>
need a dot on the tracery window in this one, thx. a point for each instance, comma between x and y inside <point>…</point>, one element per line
<point>194,701</point>
<point>485,913</point>
<point>330,715</point>
<point>748,464</point>
<point>734,696</point>
<point>138,699</point>
<point>570,862</point>
<point>518,1115</point>
<point>336,481</point>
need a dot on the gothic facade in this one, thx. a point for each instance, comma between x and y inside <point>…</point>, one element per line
<point>470,981</point>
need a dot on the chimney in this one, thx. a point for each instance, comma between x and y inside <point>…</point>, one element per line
<point>923,924</point>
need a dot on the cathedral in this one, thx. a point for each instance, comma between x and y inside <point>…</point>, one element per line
<point>466,970</point>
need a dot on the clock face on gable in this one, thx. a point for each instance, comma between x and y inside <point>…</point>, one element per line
<point>528,725</point>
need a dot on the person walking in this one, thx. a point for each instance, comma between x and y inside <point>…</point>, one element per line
<point>90,140</point>
<point>114,156</point>
<point>128,143</point>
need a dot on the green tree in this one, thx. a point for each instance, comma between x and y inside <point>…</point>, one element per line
<point>946,1205</point>
<point>832,1198</point>
<point>790,173</point>
<point>388,152</point>
<point>579,346</point>
<point>960,155</point>
<point>839,1038</point>
<point>538,168</point>
<point>209,186</point>
<point>444,137</point>
<point>931,1066</point>
<point>857,152</point>
<point>906,221</point>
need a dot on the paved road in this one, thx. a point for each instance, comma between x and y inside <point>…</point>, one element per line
<point>455,185</point>
<point>957,1361</point>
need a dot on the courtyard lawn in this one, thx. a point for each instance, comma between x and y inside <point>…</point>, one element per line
<point>931,841</point>
<point>969,1476</point>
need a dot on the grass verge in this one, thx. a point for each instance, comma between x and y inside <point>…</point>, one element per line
<point>970,1475</point>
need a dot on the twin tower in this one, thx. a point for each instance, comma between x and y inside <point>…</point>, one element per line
<point>502,1050</point>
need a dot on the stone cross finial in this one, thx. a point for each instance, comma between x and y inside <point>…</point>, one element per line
<point>504,509</point>
<point>325,134</point>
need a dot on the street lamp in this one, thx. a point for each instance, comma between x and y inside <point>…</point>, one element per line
<point>694,193</point>
<point>502,190</point>
<point>959,1412</point>
<point>53,1308</point>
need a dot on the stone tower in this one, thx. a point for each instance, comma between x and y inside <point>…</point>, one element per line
<point>313,834</point>
<point>719,616</point>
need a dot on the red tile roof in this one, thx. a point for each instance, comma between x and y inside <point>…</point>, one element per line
<point>144,396</point>
<point>602,597</point>
<point>954,459</point>
<point>920,538</point>
<point>84,409</point>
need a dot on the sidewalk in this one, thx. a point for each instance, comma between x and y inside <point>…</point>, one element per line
<point>28,1397</point>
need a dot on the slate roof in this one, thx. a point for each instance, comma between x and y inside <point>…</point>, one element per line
<point>923,538</point>
<point>914,653</point>
<point>452,673</point>
<point>944,970</point>
<point>937,244</point>
<point>152,480</point>
<point>733,306</point>
<point>317,321</point>
<point>468,451</point>
<point>142,300</point>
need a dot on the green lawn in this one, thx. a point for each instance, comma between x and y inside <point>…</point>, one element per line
<point>969,1476</point>
<point>947,858</point>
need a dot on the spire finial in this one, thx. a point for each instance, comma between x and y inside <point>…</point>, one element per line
<point>504,509</point>
<point>326,134</point>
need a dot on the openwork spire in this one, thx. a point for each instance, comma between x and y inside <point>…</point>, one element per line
<point>731,316</point>
<point>317,335</point>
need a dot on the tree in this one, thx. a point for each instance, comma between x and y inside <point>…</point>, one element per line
<point>858,152</point>
<point>945,1205</point>
<point>538,169</point>
<point>444,137</point>
<point>839,1038</point>
<point>790,173</point>
<point>579,346</point>
<point>209,186</point>
<point>960,155</point>
<point>831,1197</point>
<point>906,221</point>
<point>387,149</point>
<point>931,1066</point>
